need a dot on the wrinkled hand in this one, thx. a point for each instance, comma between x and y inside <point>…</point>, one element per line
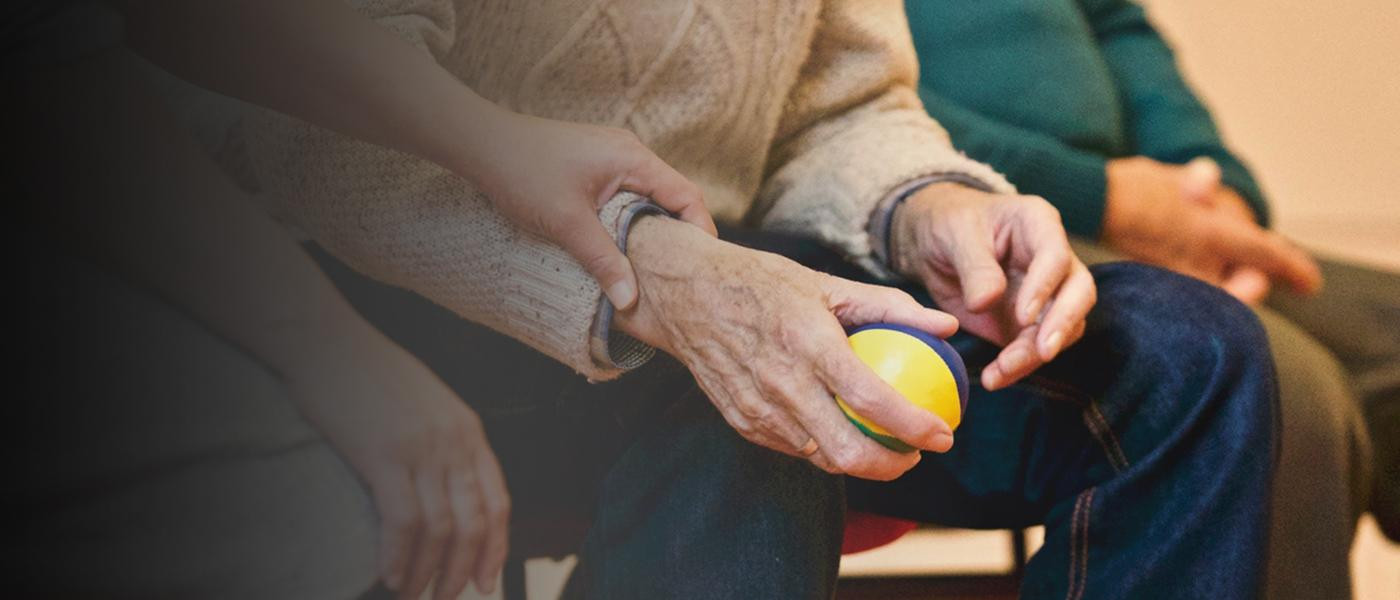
<point>551,177</point>
<point>763,337</point>
<point>1182,218</point>
<point>442,501</point>
<point>1002,265</point>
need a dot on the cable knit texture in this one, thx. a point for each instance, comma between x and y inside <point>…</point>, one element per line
<point>793,115</point>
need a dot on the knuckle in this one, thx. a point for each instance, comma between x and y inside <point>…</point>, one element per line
<point>438,526</point>
<point>499,514</point>
<point>864,400</point>
<point>895,296</point>
<point>542,222</point>
<point>1040,208</point>
<point>474,533</point>
<point>848,458</point>
<point>858,401</point>
<point>599,263</point>
<point>404,520</point>
<point>771,386</point>
<point>745,428</point>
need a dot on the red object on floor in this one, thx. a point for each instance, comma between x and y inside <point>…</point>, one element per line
<point>866,531</point>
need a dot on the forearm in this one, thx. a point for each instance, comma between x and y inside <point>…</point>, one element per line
<point>150,207</point>
<point>323,62</point>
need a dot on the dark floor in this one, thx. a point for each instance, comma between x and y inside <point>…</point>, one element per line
<point>966,587</point>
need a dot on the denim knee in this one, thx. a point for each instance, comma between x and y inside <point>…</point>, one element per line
<point>1188,306</point>
<point>1178,331</point>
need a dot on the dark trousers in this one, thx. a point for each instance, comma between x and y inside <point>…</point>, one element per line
<point>1146,450</point>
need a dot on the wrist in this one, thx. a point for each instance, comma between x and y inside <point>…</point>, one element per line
<point>670,258</point>
<point>910,221</point>
<point>647,252</point>
<point>463,141</point>
<point>1119,211</point>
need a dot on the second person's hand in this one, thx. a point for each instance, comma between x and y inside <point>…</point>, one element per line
<point>1181,218</point>
<point>551,178</point>
<point>443,506</point>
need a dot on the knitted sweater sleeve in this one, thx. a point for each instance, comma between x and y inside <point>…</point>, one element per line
<point>407,222</point>
<point>854,131</point>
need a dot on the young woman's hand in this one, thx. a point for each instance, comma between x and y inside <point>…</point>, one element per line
<point>324,62</point>
<point>551,177</point>
<point>442,501</point>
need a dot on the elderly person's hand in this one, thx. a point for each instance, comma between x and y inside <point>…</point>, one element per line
<point>1002,265</point>
<point>763,336</point>
<point>442,501</point>
<point>1180,217</point>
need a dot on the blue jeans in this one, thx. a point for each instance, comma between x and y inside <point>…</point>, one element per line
<point>1146,450</point>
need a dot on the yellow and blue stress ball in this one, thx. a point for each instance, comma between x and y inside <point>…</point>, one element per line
<point>926,370</point>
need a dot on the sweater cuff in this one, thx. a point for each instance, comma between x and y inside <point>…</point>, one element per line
<point>1075,183</point>
<point>611,349</point>
<point>882,219</point>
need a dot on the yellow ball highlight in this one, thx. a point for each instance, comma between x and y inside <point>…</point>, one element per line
<point>913,368</point>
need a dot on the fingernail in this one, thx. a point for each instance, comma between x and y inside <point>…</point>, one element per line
<point>1032,311</point>
<point>942,442</point>
<point>1052,345</point>
<point>622,294</point>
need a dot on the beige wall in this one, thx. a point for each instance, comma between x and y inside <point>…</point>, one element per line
<point>1309,93</point>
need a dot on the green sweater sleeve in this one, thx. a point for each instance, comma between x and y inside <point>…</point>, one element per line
<point>1166,120</point>
<point>1037,163</point>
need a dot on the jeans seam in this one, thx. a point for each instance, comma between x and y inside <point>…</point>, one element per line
<point>1071,577</point>
<point>1104,432</point>
<point>1079,545</point>
<point>1094,419</point>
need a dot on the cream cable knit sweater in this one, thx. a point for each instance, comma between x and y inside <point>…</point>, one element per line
<point>793,115</point>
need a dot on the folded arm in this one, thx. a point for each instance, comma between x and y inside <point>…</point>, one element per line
<point>1167,121</point>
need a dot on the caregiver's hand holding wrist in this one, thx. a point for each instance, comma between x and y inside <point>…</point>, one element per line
<point>551,177</point>
<point>325,63</point>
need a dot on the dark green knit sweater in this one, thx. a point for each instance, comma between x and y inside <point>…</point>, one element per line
<point>1047,91</point>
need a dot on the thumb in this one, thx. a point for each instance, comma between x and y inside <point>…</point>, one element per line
<point>1199,180</point>
<point>979,274</point>
<point>589,243</point>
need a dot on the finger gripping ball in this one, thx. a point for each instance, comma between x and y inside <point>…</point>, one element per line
<point>926,370</point>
